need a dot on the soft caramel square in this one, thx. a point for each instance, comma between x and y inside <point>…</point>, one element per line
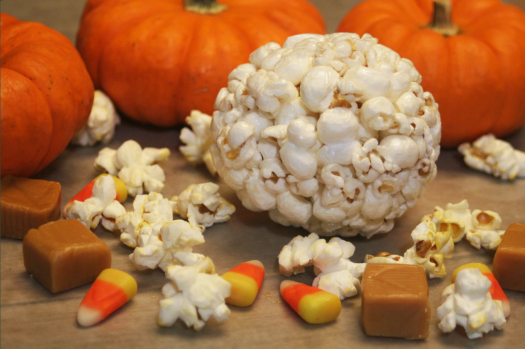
<point>395,301</point>
<point>64,254</point>
<point>508,266</point>
<point>28,203</point>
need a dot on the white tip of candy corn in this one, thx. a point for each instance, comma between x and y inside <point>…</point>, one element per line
<point>88,317</point>
<point>286,283</point>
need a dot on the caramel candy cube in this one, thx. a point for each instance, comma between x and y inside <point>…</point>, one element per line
<point>64,254</point>
<point>509,261</point>
<point>395,301</point>
<point>28,203</point>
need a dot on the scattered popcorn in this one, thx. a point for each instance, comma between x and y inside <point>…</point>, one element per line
<point>435,236</point>
<point>100,206</point>
<point>430,248</point>
<point>202,205</point>
<point>198,140</point>
<point>332,133</point>
<point>456,218</point>
<point>484,231</point>
<point>150,212</point>
<point>494,156</point>
<point>468,303</point>
<point>101,124</point>
<point>136,167</point>
<point>194,294</point>
<point>335,272</point>
<point>166,244</point>
<point>297,254</point>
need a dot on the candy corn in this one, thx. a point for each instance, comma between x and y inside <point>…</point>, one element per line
<point>246,280</point>
<point>87,192</point>
<point>495,290</point>
<point>111,290</point>
<point>314,305</point>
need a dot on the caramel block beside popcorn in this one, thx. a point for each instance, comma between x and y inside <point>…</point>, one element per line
<point>509,261</point>
<point>64,254</point>
<point>395,301</point>
<point>28,203</point>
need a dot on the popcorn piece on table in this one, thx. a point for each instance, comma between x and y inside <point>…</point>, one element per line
<point>161,245</point>
<point>434,237</point>
<point>509,261</point>
<point>194,294</point>
<point>312,304</point>
<point>455,218</point>
<point>149,210</point>
<point>202,205</point>
<point>430,248</point>
<point>484,232</point>
<point>496,292</point>
<point>246,280</point>
<point>297,254</point>
<point>111,290</point>
<point>494,156</point>
<point>101,123</point>
<point>102,205</point>
<point>136,167</point>
<point>468,303</point>
<point>394,301</point>
<point>198,140</point>
<point>335,272</point>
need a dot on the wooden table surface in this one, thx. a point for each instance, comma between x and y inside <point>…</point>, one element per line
<point>31,317</point>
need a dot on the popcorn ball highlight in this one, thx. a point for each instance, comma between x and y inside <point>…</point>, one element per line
<point>331,133</point>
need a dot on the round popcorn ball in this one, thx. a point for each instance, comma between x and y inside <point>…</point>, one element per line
<point>332,133</point>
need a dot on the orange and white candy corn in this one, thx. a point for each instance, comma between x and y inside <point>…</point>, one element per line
<point>111,290</point>
<point>87,192</point>
<point>314,305</point>
<point>246,280</point>
<point>495,290</point>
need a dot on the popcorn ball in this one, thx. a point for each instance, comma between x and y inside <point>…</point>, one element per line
<point>331,133</point>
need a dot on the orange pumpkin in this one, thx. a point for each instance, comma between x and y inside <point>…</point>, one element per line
<point>473,64</point>
<point>47,95</point>
<point>160,59</point>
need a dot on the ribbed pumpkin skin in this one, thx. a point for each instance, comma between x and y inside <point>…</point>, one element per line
<point>158,61</point>
<point>476,77</point>
<point>47,95</point>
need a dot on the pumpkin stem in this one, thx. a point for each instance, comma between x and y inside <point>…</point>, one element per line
<point>204,7</point>
<point>442,19</point>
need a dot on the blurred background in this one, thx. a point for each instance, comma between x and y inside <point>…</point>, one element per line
<point>64,15</point>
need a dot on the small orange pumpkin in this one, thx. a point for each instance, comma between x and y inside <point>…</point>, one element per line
<point>160,59</point>
<point>473,63</point>
<point>47,95</point>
